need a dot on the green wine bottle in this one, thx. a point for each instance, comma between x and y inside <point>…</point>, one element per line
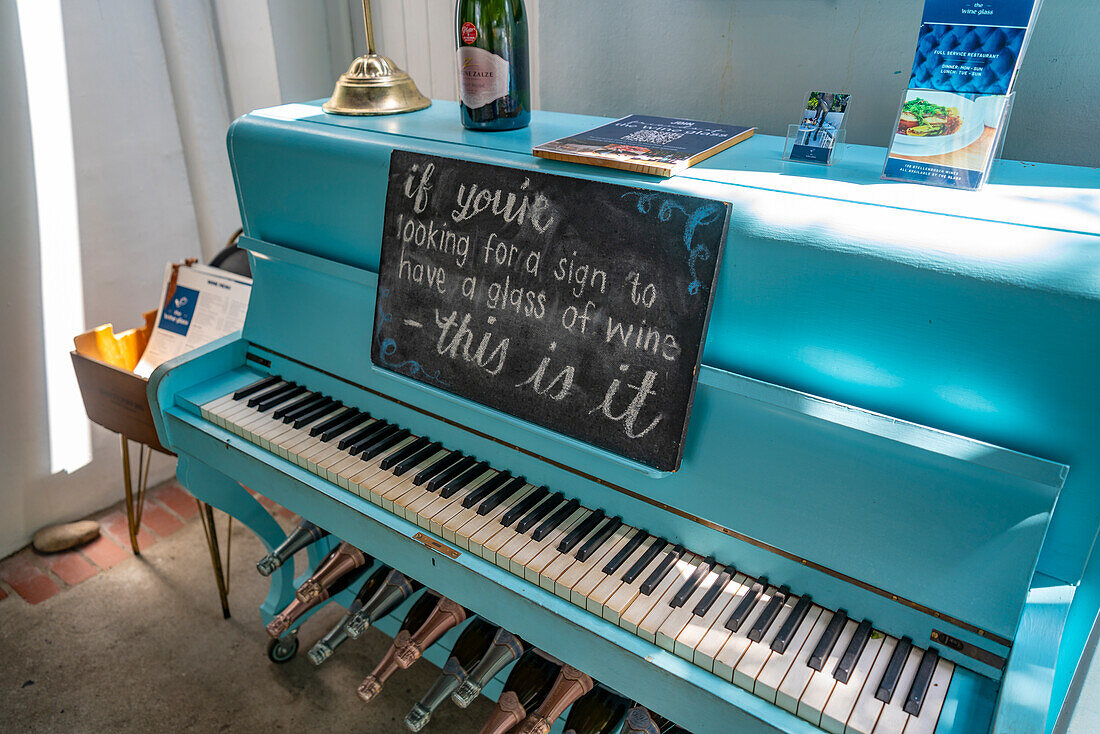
<point>597,712</point>
<point>468,649</point>
<point>530,681</point>
<point>494,76</point>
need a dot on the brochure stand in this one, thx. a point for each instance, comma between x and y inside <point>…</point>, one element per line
<point>793,136</point>
<point>966,168</point>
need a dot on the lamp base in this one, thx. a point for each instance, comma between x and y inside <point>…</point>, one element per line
<point>374,85</point>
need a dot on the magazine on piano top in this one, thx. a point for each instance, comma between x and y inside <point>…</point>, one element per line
<point>660,146</point>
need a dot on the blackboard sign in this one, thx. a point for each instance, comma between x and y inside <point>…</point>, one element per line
<point>573,304</point>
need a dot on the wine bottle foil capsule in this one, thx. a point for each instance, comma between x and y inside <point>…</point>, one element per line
<point>369,688</point>
<point>418,718</point>
<point>357,625</point>
<point>319,653</point>
<point>277,626</point>
<point>267,565</point>
<point>466,694</point>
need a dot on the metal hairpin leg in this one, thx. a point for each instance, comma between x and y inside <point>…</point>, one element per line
<point>135,504</point>
<point>134,509</point>
<point>221,574</point>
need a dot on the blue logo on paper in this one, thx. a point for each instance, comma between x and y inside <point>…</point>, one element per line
<point>179,310</point>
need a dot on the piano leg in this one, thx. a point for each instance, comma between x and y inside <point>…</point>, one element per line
<point>218,490</point>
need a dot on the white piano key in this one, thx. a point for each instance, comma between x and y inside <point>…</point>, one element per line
<point>483,539</point>
<point>725,662</point>
<point>678,619</point>
<point>820,685</point>
<point>757,654</point>
<point>698,626</point>
<point>893,718</point>
<point>564,584</point>
<point>372,483</point>
<point>645,619</point>
<point>925,722</point>
<point>493,536</point>
<point>547,547</point>
<point>776,668</point>
<point>625,595</point>
<point>843,700</point>
<point>594,576</point>
<point>426,507</point>
<point>800,672</point>
<point>867,708</point>
<point>716,636</point>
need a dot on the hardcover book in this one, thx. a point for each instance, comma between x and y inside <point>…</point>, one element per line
<point>660,146</point>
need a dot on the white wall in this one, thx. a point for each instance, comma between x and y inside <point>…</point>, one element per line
<point>752,62</point>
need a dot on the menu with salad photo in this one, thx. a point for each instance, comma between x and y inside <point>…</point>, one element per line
<point>955,110</point>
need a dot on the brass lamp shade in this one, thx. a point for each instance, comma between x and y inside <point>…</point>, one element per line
<point>374,85</point>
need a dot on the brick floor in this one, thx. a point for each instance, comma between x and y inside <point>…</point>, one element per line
<point>177,499</point>
<point>159,520</point>
<point>105,552</point>
<point>70,567</point>
<point>115,525</point>
<point>28,580</point>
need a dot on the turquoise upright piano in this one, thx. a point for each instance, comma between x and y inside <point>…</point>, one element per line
<point>892,457</point>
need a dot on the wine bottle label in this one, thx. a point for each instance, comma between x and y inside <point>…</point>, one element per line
<point>482,76</point>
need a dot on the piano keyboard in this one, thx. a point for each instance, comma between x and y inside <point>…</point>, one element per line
<point>836,672</point>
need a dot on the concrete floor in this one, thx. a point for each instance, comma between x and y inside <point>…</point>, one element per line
<point>143,647</point>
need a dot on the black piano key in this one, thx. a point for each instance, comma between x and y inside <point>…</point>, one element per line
<point>692,583</point>
<point>791,624</point>
<point>255,387</point>
<point>421,455</point>
<point>524,505</point>
<point>626,551</point>
<point>917,692</point>
<point>316,413</point>
<point>341,419</point>
<point>741,613</point>
<point>482,491</point>
<point>353,423</point>
<point>502,495</point>
<point>556,519</point>
<point>362,433</point>
<point>277,390</point>
<point>574,537</point>
<point>398,456</point>
<point>851,654</point>
<point>437,466</point>
<point>385,444</point>
<point>651,552</point>
<point>893,671</point>
<point>279,399</point>
<point>458,475</point>
<point>535,516</point>
<point>596,542</point>
<point>317,401</point>
<point>828,640</point>
<point>769,613</point>
<point>662,570</point>
<point>373,439</point>
<point>306,400</point>
<point>707,601</point>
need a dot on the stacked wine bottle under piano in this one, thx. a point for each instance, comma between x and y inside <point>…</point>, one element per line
<point>834,671</point>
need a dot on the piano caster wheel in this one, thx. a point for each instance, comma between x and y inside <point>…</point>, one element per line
<point>283,649</point>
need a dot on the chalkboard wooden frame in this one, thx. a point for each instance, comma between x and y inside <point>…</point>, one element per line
<point>577,305</point>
